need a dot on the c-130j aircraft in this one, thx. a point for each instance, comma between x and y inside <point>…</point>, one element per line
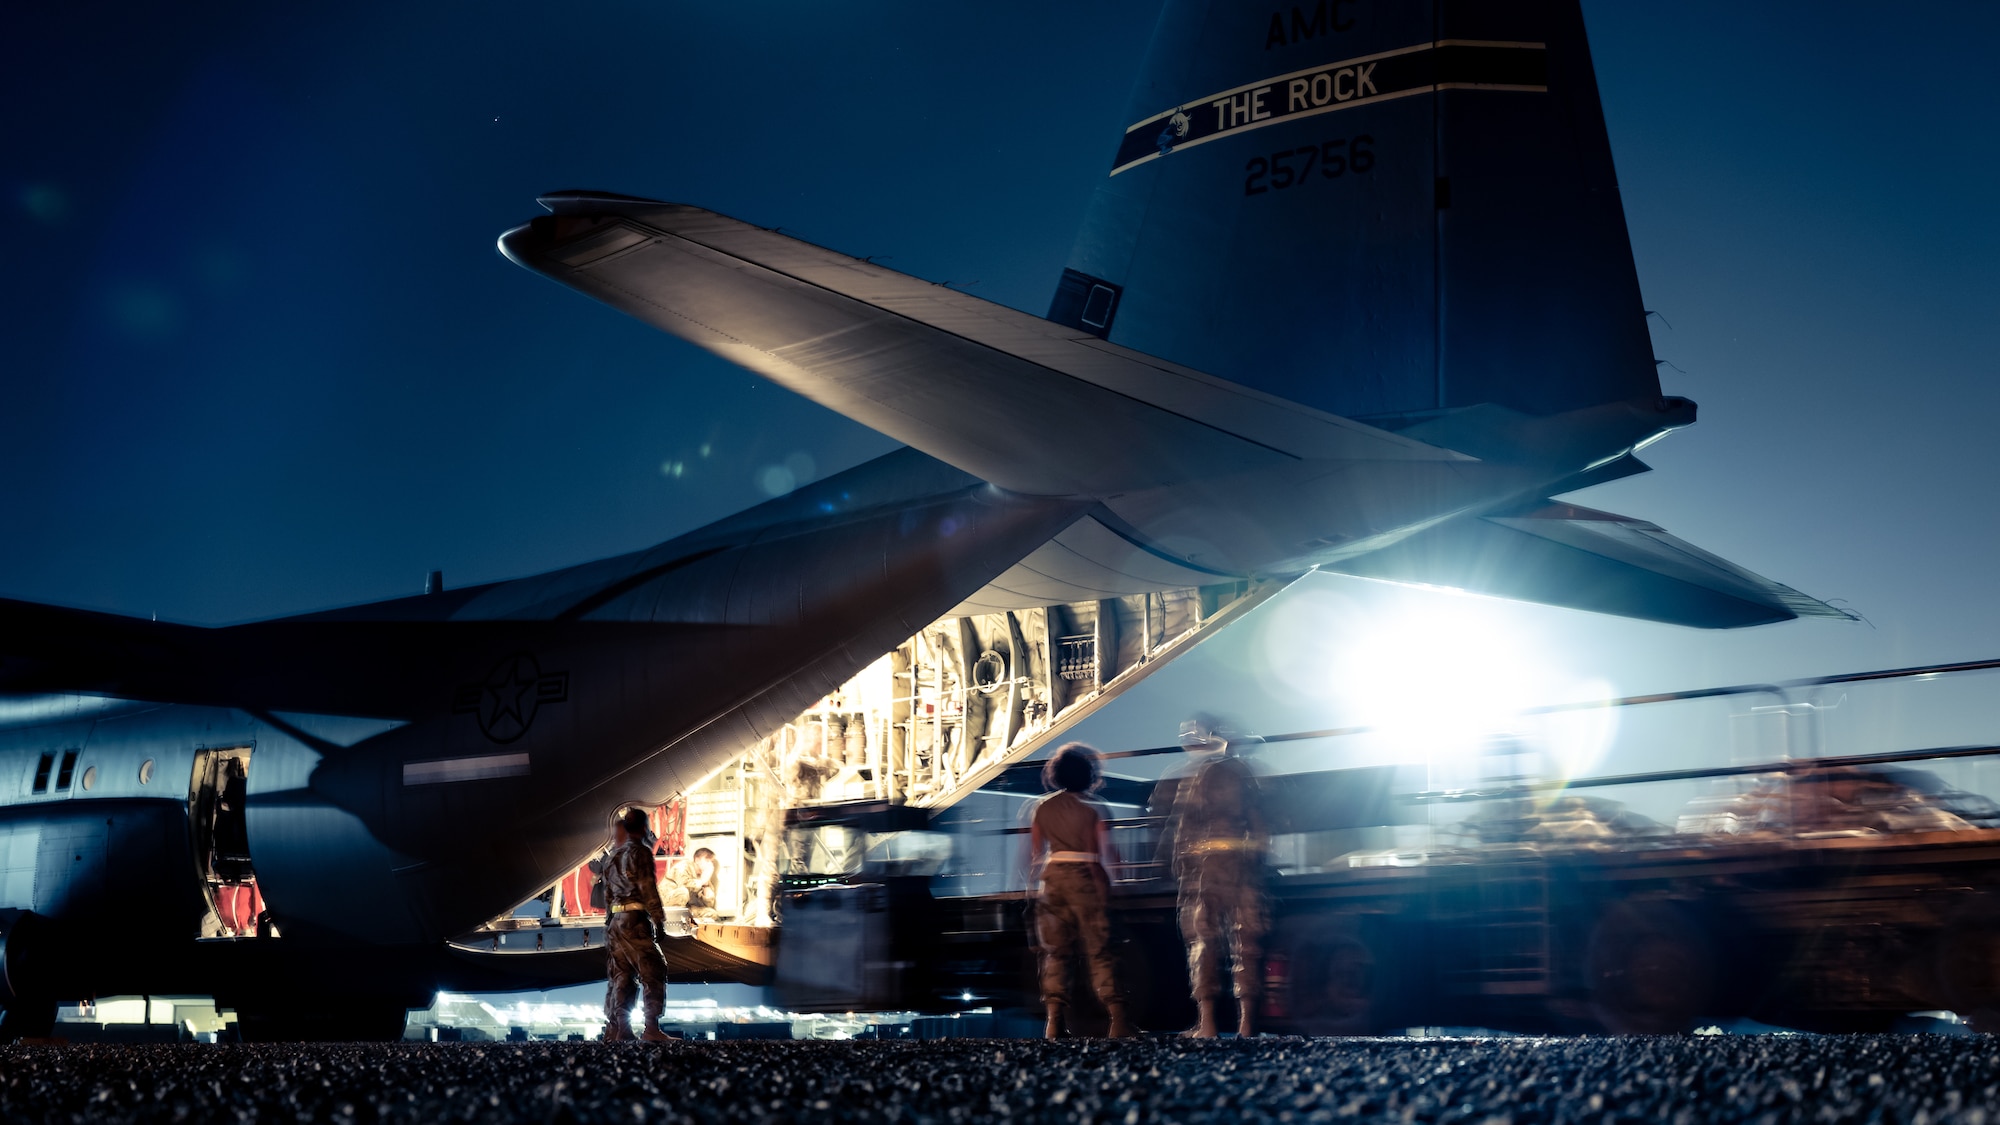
<point>1354,294</point>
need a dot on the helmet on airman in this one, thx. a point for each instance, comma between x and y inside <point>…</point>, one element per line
<point>1204,734</point>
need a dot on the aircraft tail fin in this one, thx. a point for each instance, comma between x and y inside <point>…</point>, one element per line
<point>1376,209</point>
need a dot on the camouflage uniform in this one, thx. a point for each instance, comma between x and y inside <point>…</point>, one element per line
<point>1218,847</point>
<point>630,937</point>
<point>1069,910</point>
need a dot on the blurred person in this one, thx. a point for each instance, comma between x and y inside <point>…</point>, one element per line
<point>632,932</point>
<point>1068,840</point>
<point>702,872</point>
<point>1217,837</point>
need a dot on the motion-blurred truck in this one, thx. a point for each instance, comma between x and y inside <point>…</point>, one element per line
<point>1827,895</point>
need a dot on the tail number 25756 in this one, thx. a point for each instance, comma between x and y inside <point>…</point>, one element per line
<point>1295,166</point>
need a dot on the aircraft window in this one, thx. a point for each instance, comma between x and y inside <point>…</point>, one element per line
<point>146,772</point>
<point>90,777</point>
<point>989,672</point>
<point>42,773</point>
<point>67,771</point>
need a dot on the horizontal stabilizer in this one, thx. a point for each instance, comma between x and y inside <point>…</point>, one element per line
<point>1566,555</point>
<point>1030,405</point>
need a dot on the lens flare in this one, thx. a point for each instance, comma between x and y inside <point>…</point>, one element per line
<point>1440,680</point>
<point>1447,680</point>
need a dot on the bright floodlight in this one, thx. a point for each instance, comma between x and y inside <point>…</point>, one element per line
<point>1446,680</point>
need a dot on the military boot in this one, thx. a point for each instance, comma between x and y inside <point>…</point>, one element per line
<point>1121,1028</point>
<point>1054,1028</point>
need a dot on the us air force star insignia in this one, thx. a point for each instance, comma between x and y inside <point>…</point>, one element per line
<point>507,701</point>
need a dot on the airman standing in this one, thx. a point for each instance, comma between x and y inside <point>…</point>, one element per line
<point>1219,839</point>
<point>632,932</point>
<point>1067,842</point>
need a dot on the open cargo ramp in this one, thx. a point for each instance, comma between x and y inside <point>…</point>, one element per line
<point>934,719</point>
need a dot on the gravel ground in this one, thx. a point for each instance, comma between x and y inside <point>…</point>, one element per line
<point>1480,1082</point>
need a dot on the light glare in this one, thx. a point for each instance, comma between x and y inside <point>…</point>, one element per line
<point>1443,679</point>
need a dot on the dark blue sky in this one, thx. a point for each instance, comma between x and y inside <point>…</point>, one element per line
<point>261,356</point>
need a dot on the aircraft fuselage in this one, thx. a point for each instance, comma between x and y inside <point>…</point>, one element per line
<point>581,691</point>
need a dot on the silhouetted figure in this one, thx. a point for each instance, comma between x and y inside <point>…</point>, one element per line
<point>1067,840</point>
<point>633,930</point>
<point>232,825</point>
<point>1218,839</point>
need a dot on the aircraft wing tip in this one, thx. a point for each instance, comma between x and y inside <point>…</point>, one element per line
<point>1805,605</point>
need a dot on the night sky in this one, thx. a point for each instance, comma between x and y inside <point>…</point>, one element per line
<point>261,356</point>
